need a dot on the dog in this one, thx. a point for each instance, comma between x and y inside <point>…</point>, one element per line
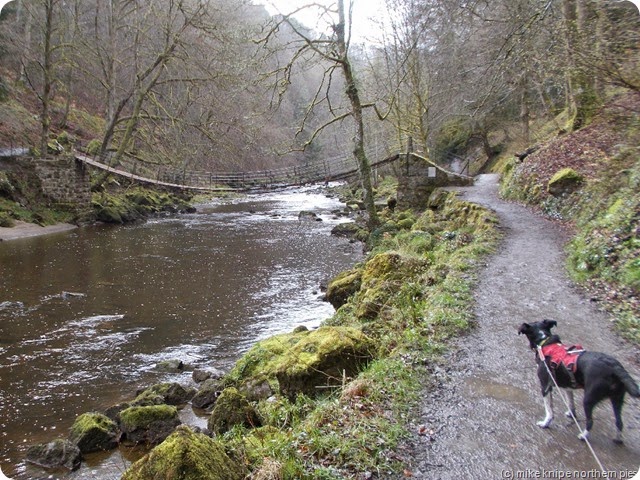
<point>600,375</point>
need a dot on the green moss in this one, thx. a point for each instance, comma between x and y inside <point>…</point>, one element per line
<point>6,220</point>
<point>232,409</point>
<point>94,432</point>
<point>186,455</point>
<point>134,418</point>
<point>564,181</point>
<point>343,286</point>
<point>300,362</point>
<point>263,358</point>
<point>134,204</point>
<point>170,393</point>
<point>93,147</point>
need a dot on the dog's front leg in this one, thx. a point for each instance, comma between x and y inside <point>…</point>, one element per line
<point>548,409</point>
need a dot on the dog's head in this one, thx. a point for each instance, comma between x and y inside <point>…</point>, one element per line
<point>537,332</point>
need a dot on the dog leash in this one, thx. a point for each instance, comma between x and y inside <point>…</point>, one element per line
<point>585,438</point>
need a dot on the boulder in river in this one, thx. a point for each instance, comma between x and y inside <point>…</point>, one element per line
<point>94,432</point>
<point>170,393</point>
<point>199,375</point>
<point>150,424</point>
<point>186,455</point>
<point>347,229</point>
<point>56,454</point>
<point>170,366</point>
<point>207,395</point>
<point>307,215</point>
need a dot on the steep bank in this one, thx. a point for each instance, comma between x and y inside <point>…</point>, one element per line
<point>590,179</point>
<point>477,418</point>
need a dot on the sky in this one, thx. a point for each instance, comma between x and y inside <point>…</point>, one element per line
<point>363,13</point>
<point>364,10</point>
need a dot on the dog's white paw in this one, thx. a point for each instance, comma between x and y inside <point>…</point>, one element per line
<point>570,414</point>
<point>584,435</point>
<point>544,423</point>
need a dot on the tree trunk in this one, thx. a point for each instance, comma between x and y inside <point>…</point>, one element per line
<point>364,167</point>
<point>525,114</point>
<point>581,87</point>
<point>47,67</point>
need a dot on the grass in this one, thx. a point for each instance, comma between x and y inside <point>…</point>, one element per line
<point>357,427</point>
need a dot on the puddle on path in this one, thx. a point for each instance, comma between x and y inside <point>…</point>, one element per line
<point>481,386</point>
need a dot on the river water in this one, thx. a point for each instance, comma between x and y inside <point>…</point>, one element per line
<point>85,316</point>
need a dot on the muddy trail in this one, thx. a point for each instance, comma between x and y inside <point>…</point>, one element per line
<point>478,417</point>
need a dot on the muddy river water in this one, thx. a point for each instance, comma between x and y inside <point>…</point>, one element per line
<point>85,316</point>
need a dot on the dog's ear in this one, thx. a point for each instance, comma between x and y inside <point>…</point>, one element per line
<point>549,323</point>
<point>524,328</point>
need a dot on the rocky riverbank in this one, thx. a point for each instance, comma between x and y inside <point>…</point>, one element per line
<point>331,402</point>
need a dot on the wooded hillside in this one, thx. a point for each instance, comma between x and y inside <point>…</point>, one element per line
<point>194,83</point>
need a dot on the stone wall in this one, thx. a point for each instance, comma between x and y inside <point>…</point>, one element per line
<point>64,181</point>
<point>418,177</point>
<point>59,181</point>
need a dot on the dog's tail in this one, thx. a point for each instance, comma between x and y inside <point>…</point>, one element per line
<point>629,383</point>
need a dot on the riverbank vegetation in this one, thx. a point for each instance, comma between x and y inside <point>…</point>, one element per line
<point>335,402</point>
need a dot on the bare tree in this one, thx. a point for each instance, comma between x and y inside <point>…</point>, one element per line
<point>334,52</point>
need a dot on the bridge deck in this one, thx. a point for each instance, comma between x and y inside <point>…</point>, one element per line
<point>339,168</point>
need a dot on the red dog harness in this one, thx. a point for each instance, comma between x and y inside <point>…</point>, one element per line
<point>559,354</point>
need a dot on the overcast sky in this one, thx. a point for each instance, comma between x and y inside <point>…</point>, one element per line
<point>363,13</point>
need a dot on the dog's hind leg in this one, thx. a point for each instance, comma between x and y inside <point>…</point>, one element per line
<point>548,409</point>
<point>616,402</point>
<point>588,403</point>
<point>571,413</point>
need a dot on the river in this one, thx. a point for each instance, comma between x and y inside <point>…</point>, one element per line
<point>85,316</point>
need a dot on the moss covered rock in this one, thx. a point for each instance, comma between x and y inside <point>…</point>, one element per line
<point>207,395</point>
<point>170,393</point>
<point>304,362</point>
<point>173,365</point>
<point>6,220</point>
<point>347,229</point>
<point>186,455</point>
<point>564,182</point>
<point>94,432</point>
<point>343,286</point>
<point>150,424</point>
<point>108,214</point>
<point>231,409</point>
<point>382,277</point>
<point>135,204</point>
<point>321,358</point>
<point>56,454</point>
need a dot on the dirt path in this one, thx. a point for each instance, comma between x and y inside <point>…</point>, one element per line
<point>480,421</point>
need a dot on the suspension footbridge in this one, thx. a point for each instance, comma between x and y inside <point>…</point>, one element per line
<point>326,170</point>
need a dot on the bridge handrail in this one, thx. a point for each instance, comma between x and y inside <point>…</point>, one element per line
<point>327,169</point>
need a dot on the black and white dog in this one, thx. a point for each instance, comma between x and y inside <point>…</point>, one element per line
<point>601,375</point>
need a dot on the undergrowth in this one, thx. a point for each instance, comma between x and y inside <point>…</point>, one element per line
<point>604,252</point>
